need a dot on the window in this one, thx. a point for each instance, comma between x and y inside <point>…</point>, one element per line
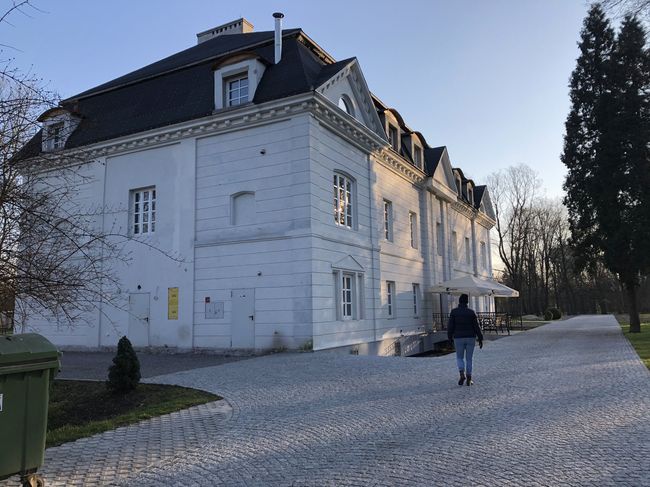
<point>237,91</point>
<point>439,238</point>
<point>454,245</point>
<point>417,156</point>
<point>144,210</point>
<point>55,133</point>
<point>343,200</point>
<point>393,138</point>
<point>388,220</point>
<point>349,289</point>
<point>346,297</point>
<point>470,195</point>
<point>468,258</point>
<point>235,82</point>
<point>345,104</point>
<point>459,185</point>
<point>390,298</point>
<point>483,256</point>
<point>413,224</point>
<point>416,299</point>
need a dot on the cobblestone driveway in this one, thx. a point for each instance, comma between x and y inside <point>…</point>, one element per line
<point>564,404</point>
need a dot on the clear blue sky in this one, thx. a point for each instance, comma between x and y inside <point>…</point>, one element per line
<point>488,79</point>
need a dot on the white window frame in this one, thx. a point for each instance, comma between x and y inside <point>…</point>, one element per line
<point>253,69</point>
<point>468,255</point>
<point>388,220</point>
<point>349,295</point>
<point>229,91</point>
<point>417,156</point>
<point>416,299</point>
<point>143,211</point>
<point>413,229</point>
<point>393,141</point>
<point>390,298</point>
<point>344,194</point>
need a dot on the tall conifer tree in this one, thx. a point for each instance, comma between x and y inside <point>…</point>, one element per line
<point>605,151</point>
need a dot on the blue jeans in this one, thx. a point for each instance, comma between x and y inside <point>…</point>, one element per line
<point>464,349</point>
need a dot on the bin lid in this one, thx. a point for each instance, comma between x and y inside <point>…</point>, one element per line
<point>26,348</point>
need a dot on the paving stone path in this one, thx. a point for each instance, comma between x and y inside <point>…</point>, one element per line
<point>564,404</point>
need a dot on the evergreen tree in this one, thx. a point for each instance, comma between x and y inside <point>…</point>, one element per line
<point>626,156</point>
<point>605,151</point>
<point>124,374</point>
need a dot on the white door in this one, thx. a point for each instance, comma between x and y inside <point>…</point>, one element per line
<point>243,318</point>
<point>139,319</point>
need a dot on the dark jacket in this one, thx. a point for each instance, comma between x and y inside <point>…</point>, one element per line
<point>463,323</point>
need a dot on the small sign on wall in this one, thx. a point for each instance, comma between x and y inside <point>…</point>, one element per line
<point>213,311</point>
<point>172,303</point>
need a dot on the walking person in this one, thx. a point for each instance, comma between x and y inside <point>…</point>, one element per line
<point>463,329</point>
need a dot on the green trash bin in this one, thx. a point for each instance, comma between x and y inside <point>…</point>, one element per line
<point>28,363</point>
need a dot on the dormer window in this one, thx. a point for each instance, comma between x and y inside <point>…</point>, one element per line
<point>235,83</point>
<point>470,195</point>
<point>393,137</point>
<point>237,90</point>
<point>55,135</point>
<point>417,156</point>
<point>459,185</point>
<point>58,124</point>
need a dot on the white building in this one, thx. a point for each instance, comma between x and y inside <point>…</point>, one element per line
<point>306,211</point>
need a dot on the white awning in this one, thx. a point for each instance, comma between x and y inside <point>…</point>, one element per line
<point>474,286</point>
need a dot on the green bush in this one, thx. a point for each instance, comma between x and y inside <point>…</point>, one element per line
<point>555,312</point>
<point>124,374</point>
<point>548,315</point>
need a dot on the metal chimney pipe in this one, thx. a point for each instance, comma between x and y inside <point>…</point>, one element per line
<point>278,36</point>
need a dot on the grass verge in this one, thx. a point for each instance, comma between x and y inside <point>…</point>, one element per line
<point>83,408</point>
<point>640,341</point>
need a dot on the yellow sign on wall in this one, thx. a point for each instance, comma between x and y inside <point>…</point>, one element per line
<point>172,303</point>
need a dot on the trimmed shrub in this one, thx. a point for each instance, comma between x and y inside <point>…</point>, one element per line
<point>124,374</point>
<point>548,315</point>
<point>557,314</point>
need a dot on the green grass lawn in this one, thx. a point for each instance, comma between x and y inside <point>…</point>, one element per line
<point>640,341</point>
<point>83,408</point>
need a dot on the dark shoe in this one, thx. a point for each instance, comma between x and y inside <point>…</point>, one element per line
<point>469,380</point>
<point>462,378</point>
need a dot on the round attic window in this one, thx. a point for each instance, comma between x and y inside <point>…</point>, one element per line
<point>346,105</point>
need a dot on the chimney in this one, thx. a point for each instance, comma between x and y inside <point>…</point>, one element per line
<point>239,26</point>
<point>278,36</point>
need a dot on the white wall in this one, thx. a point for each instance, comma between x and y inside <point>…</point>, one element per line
<point>271,252</point>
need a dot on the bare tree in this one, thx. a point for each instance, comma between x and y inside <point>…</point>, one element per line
<point>621,8</point>
<point>57,255</point>
<point>514,191</point>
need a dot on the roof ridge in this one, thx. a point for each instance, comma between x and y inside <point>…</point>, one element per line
<point>112,85</point>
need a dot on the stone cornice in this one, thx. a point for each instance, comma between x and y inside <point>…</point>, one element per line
<point>472,213</point>
<point>221,121</point>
